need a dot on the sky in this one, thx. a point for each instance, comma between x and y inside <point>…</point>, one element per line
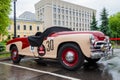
<point>112,6</point>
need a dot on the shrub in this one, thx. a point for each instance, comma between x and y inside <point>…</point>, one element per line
<point>2,47</point>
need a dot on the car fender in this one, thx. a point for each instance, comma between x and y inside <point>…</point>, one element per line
<point>81,39</point>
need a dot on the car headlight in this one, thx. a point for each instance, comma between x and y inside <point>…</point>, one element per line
<point>92,39</point>
<point>103,48</point>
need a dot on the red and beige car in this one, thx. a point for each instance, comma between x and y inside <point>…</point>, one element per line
<point>69,47</point>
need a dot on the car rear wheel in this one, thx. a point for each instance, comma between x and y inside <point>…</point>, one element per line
<point>15,57</point>
<point>70,56</point>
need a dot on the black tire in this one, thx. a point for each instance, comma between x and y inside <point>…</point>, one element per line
<point>92,60</point>
<point>70,50</point>
<point>15,57</point>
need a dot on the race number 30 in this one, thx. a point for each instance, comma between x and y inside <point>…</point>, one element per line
<point>50,45</point>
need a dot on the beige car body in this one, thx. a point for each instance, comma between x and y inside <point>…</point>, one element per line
<point>82,40</point>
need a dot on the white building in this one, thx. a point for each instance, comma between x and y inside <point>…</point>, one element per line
<point>61,13</point>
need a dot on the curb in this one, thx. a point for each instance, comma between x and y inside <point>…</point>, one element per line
<point>3,52</point>
<point>5,59</point>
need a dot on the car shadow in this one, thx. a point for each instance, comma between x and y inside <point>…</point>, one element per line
<point>90,66</point>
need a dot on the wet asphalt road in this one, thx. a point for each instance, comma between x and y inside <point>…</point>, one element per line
<point>87,72</point>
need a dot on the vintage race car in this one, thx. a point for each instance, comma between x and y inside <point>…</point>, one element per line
<point>69,47</point>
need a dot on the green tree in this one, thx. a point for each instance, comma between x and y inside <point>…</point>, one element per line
<point>114,23</point>
<point>4,15</point>
<point>93,24</point>
<point>104,27</point>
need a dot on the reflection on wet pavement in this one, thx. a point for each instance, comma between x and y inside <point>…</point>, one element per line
<point>112,65</point>
<point>12,73</point>
<point>105,69</point>
<point>87,72</point>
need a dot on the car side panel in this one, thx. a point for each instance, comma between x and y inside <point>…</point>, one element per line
<point>81,39</point>
<point>25,51</point>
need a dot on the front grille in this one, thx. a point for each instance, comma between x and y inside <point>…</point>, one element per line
<point>98,45</point>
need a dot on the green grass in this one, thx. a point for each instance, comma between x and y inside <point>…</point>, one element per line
<point>2,47</point>
<point>4,55</point>
<point>116,46</point>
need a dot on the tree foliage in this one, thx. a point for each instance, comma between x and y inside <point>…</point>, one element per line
<point>104,27</point>
<point>114,23</point>
<point>93,24</point>
<point>4,15</point>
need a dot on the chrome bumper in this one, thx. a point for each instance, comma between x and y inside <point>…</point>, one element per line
<point>96,55</point>
<point>104,51</point>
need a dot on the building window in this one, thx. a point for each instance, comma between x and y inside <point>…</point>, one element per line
<point>79,14</point>
<point>79,24</point>
<point>38,28</point>
<point>76,24</point>
<point>55,16</point>
<point>43,10</point>
<point>82,14</point>
<point>63,17</point>
<point>76,13</point>
<point>77,19</point>
<point>30,27</point>
<point>73,13</point>
<point>80,29</point>
<point>66,11</point>
<point>18,35</point>
<point>63,23</point>
<point>58,16</point>
<point>24,35</point>
<point>9,36</point>
<point>58,10</point>
<point>18,27</point>
<point>80,19</point>
<point>70,18</point>
<point>66,23</point>
<point>55,22</point>
<point>59,22</point>
<point>54,9</point>
<point>24,27</point>
<point>73,18</point>
<point>63,11</point>
<point>66,17</point>
<point>70,12</point>
<point>77,29</point>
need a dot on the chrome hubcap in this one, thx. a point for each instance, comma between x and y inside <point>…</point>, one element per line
<point>69,56</point>
<point>14,54</point>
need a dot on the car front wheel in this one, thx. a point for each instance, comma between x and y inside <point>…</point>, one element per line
<point>70,56</point>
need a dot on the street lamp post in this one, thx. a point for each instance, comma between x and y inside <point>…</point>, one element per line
<point>14,18</point>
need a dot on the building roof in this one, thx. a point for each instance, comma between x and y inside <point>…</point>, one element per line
<point>27,16</point>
